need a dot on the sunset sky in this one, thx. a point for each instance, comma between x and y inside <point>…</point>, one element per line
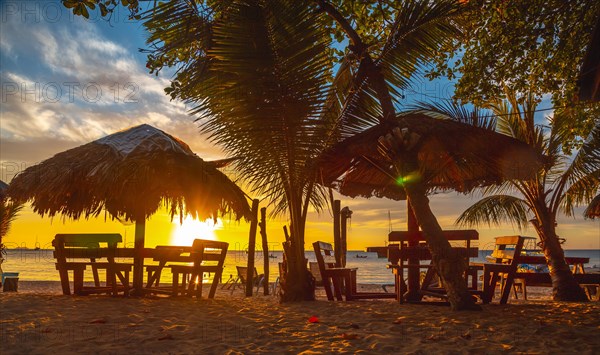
<point>67,81</point>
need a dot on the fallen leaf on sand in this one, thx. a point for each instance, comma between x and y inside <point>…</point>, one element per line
<point>507,346</point>
<point>466,336</point>
<point>166,337</point>
<point>349,336</point>
<point>98,321</point>
<point>313,319</point>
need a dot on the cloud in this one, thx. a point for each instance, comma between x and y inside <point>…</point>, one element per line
<point>65,84</point>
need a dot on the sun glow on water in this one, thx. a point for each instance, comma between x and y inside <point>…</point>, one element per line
<point>184,234</point>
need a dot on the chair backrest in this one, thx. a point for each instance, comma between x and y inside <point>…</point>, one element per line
<point>325,256</point>
<point>243,271</point>
<point>209,253</point>
<point>507,249</point>
<point>86,246</point>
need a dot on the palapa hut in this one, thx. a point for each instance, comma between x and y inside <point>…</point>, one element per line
<point>130,174</point>
<point>3,188</point>
<point>416,155</point>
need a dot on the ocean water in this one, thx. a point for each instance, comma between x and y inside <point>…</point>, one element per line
<point>38,265</point>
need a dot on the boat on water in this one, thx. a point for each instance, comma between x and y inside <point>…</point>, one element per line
<point>273,256</point>
<point>361,256</point>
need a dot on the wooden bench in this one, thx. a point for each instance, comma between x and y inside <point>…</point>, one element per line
<point>207,256</point>
<point>407,250</point>
<point>508,256</point>
<point>75,252</point>
<point>340,280</point>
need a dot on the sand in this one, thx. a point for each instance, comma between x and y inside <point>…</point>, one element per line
<point>38,320</point>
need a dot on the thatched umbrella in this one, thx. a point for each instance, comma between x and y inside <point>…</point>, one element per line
<point>593,210</point>
<point>130,174</point>
<point>415,155</point>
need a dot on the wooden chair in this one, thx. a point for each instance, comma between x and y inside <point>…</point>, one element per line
<point>208,256</point>
<point>506,254</point>
<point>75,252</point>
<point>313,267</point>
<point>402,256</point>
<point>339,280</point>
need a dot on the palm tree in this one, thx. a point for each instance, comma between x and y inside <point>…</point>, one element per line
<point>8,213</point>
<point>563,183</point>
<point>260,77</point>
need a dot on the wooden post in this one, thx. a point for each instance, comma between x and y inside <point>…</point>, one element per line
<point>265,246</point>
<point>138,260</point>
<point>345,214</point>
<point>414,285</point>
<point>337,242</point>
<point>252,248</point>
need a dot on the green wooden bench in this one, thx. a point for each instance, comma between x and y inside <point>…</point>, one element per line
<point>77,252</point>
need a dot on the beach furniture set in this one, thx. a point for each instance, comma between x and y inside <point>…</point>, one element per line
<point>407,251</point>
<point>77,253</point>
<point>504,270</point>
<point>339,280</point>
<point>415,276</point>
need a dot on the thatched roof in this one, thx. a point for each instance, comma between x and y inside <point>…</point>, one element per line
<point>593,210</point>
<point>3,187</point>
<point>589,77</point>
<point>129,174</point>
<point>450,155</point>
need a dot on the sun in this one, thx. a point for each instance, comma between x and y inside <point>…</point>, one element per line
<point>190,229</point>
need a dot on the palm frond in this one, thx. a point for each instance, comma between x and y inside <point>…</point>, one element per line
<point>581,180</point>
<point>421,27</point>
<point>448,109</point>
<point>494,210</point>
<point>260,92</point>
<point>8,213</point>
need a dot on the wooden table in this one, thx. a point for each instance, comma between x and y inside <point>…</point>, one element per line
<point>167,254</point>
<point>411,250</point>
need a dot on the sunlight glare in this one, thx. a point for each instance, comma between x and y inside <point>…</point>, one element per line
<point>184,234</point>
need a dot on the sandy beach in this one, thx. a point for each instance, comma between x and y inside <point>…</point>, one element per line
<point>38,320</point>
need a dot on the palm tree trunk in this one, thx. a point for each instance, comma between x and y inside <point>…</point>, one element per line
<point>299,283</point>
<point>564,285</point>
<point>448,263</point>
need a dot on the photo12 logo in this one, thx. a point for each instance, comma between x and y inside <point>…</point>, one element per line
<point>53,92</point>
<point>43,11</point>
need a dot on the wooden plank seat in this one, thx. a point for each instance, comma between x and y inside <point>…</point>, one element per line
<point>340,280</point>
<point>508,256</point>
<point>208,256</point>
<point>404,256</point>
<point>71,249</point>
